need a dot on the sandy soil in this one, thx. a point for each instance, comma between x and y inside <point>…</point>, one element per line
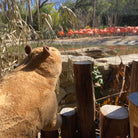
<point>108,40</point>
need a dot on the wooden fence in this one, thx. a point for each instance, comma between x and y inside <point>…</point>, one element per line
<point>79,122</point>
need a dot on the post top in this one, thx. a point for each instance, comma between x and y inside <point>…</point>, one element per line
<point>67,111</point>
<point>136,60</point>
<point>114,112</point>
<point>83,62</point>
<point>133,97</point>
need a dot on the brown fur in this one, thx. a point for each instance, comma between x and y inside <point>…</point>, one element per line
<point>27,98</point>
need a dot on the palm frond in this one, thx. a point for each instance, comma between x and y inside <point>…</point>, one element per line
<point>71,17</point>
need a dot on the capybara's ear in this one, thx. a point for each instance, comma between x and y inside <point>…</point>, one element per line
<point>28,49</point>
<point>46,50</point>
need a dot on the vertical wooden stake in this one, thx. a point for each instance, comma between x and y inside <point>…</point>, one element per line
<point>49,134</point>
<point>113,121</point>
<point>69,123</point>
<point>133,114</point>
<point>85,98</point>
<point>134,77</point>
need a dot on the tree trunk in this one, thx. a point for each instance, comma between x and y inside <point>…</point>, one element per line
<point>93,16</point>
<point>116,14</point>
<point>4,9</point>
<point>37,10</point>
<point>40,6</point>
<point>30,14</point>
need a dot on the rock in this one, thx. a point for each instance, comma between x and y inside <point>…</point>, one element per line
<point>116,60</point>
<point>70,89</point>
<point>106,66</point>
<point>67,77</point>
<point>66,93</point>
<point>93,52</point>
<point>70,98</point>
<point>61,94</point>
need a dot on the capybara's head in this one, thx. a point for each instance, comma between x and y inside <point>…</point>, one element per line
<point>44,60</point>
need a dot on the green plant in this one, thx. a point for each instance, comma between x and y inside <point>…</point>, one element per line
<point>97,76</point>
<point>98,81</point>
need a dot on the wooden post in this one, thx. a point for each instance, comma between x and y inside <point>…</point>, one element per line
<point>134,77</point>
<point>133,114</point>
<point>49,134</point>
<point>69,123</point>
<point>85,98</point>
<point>113,122</point>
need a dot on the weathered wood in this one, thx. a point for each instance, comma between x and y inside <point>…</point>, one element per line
<point>113,121</point>
<point>69,123</point>
<point>133,114</point>
<point>134,77</point>
<point>85,98</point>
<point>49,134</point>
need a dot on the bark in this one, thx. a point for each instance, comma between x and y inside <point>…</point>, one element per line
<point>30,14</point>
<point>3,6</point>
<point>37,10</point>
<point>93,16</point>
<point>85,98</point>
<point>40,6</point>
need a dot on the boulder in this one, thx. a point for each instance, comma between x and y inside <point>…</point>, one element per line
<point>93,52</point>
<point>105,65</point>
<point>67,78</point>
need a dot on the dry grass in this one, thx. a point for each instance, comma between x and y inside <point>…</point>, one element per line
<point>13,38</point>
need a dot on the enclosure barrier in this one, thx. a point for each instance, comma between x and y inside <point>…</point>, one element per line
<point>69,128</point>
<point>49,134</point>
<point>80,123</point>
<point>114,120</point>
<point>85,98</point>
<point>134,77</point>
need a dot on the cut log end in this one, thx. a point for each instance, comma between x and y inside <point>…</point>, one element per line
<point>83,63</point>
<point>69,125</point>
<point>134,98</point>
<point>136,60</point>
<point>114,112</point>
<point>113,121</point>
<point>67,111</point>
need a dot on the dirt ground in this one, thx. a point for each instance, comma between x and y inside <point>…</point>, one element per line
<point>107,40</point>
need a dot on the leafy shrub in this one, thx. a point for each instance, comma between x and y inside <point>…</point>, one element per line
<point>98,81</point>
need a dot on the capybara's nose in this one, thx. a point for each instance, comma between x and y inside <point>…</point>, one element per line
<point>46,50</point>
